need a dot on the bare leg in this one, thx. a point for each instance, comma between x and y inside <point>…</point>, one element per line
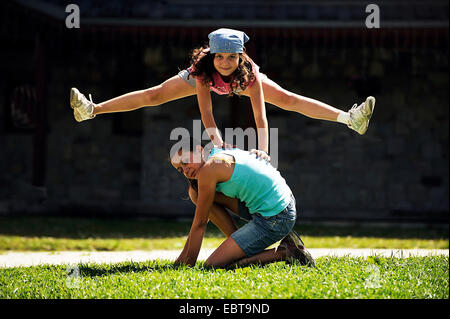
<point>229,251</point>
<point>276,95</point>
<point>172,89</point>
<point>265,257</point>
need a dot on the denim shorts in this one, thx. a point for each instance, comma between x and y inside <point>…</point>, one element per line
<point>184,75</point>
<point>260,232</point>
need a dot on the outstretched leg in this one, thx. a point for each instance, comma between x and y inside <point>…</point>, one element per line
<point>276,95</point>
<point>357,118</point>
<point>172,89</point>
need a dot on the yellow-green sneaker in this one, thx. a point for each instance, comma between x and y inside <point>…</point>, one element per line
<point>83,109</point>
<point>360,115</point>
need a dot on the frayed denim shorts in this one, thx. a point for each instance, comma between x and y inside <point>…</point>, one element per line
<point>184,74</point>
<point>260,232</point>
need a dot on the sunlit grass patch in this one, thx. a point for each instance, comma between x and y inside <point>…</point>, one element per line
<point>335,277</point>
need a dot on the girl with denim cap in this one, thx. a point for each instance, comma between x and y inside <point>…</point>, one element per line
<point>226,179</point>
<point>224,68</point>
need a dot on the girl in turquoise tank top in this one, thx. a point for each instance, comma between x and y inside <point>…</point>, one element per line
<point>226,179</point>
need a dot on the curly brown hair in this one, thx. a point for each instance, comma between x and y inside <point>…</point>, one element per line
<point>202,62</point>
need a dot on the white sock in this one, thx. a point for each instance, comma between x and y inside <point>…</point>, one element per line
<point>343,117</point>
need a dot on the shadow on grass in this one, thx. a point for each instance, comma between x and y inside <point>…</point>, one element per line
<point>89,270</point>
<point>83,228</point>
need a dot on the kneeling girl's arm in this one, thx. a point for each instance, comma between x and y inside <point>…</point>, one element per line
<point>207,181</point>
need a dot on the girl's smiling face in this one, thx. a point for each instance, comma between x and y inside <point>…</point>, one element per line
<point>226,63</point>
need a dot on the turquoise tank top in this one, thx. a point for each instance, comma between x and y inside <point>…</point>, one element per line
<point>255,182</point>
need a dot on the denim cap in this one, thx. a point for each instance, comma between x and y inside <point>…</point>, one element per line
<point>227,41</point>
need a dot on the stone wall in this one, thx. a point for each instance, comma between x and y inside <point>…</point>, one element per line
<point>117,163</point>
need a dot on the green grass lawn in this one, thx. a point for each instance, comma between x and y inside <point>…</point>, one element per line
<point>58,234</point>
<point>334,278</point>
